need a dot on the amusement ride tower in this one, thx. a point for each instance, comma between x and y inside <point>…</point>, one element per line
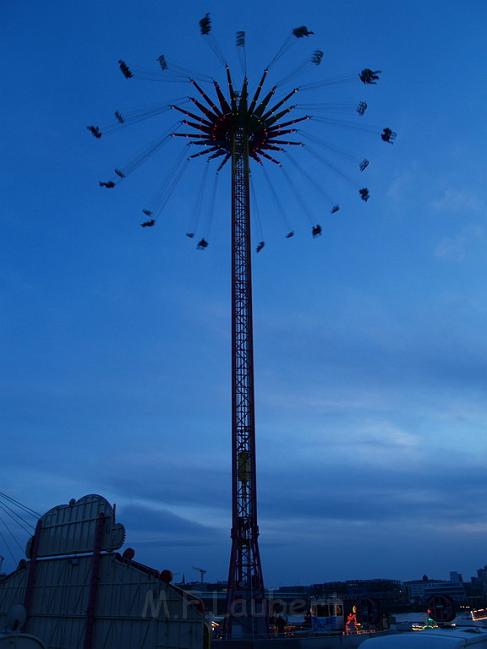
<point>238,127</point>
<point>241,128</point>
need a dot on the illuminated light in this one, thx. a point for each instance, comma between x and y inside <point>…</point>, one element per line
<point>423,627</point>
<point>478,614</point>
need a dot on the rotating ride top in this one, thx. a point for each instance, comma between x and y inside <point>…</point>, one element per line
<point>240,127</point>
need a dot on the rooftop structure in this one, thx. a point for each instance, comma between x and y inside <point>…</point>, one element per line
<point>79,592</point>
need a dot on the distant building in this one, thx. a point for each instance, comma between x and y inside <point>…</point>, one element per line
<point>389,592</point>
<point>420,590</point>
<point>456,591</point>
<point>477,588</point>
<point>300,590</point>
<point>214,597</point>
<point>456,577</point>
<point>416,588</point>
<point>481,580</point>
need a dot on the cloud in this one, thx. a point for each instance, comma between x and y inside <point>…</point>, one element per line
<point>399,188</point>
<point>348,442</point>
<point>455,248</point>
<point>385,434</point>
<point>426,489</point>
<point>432,497</point>
<point>456,200</point>
<point>156,525</point>
<point>338,502</point>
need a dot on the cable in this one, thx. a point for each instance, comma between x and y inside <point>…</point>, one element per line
<point>345,124</point>
<point>17,518</point>
<point>194,75</point>
<point>277,200</point>
<point>176,80</point>
<point>171,179</point>
<point>195,217</point>
<point>214,47</point>
<point>172,187</point>
<point>310,178</point>
<point>299,198</point>
<point>145,154</point>
<point>331,147</point>
<point>12,535</point>
<point>242,52</point>
<point>147,74</point>
<point>327,106</point>
<point>211,205</point>
<point>137,116</point>
<point>292,74</point>
<point>256,211</point>
<point>213,43</point>
<point>9,550</point>
<point>28,510</point>
<point>174,72</point>
<point>287,44</point>
<point>326,162</point>
<point>328,82</point>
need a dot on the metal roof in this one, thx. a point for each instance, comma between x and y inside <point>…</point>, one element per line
<point>71,528</point>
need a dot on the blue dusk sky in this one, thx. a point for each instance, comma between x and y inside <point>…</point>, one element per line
<point>370,341</point>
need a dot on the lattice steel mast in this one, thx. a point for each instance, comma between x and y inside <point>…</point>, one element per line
<point>245,603</point>
<point>239,130</point>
